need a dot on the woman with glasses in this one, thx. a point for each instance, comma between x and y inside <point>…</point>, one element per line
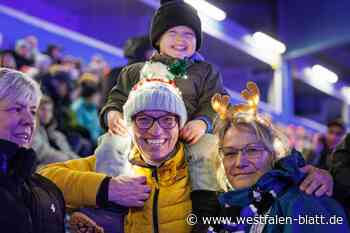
<point>260,176</point>
<point>156,191</point>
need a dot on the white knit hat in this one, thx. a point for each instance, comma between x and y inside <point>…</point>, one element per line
<point>152,93</point>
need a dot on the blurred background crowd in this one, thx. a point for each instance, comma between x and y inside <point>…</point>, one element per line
<point>76,83</point>
<point>75,91</point>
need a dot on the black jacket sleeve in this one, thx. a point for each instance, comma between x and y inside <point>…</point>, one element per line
<point>127,78</point>
<point>204,204</point>
<point>340,170</point>
<point>102,198</point>
<point>213,84</point>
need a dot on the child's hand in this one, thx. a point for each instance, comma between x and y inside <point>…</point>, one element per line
<point>193,131</point>
<point>116,123</point>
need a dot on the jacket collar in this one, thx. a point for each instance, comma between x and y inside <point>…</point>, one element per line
<point>167,60</point>
<point>16,160</point>
<point>169,171</point>
<point>135,157</point>
<point>8,148</point>
<point>7,152</point>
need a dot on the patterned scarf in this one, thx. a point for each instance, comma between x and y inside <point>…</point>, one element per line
<point>257,200</point>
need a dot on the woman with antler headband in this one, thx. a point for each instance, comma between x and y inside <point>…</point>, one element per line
<point>260,175</point>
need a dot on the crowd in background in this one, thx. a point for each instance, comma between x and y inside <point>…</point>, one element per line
<point>75,91</point>
<point>68,113</point>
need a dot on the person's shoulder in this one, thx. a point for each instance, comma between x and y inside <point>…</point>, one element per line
<point>131,72</point>
<point>340,154</point>
<point>295,201</point>
<point>133,67</point>
<point>344,144</point>
<point>78,103</point>
<point>44,183</point>
<point>115,71</point>
<point>41,180</point>
<point>46,191</point>
<point>306,209</point>
<point>203,64</point>
<point>204,67</point>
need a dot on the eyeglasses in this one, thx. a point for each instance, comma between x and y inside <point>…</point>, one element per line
<point>249,150</point>
<point>146,122</point>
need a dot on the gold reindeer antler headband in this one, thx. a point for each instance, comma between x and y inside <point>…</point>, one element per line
<point>221,103</point>
<point>249,111</point>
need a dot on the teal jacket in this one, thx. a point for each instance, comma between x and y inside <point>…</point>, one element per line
<point>276,194</point>
<point>87,116</point>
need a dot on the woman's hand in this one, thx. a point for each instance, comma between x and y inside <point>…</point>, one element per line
<point>318,181</point>
<point>128,191</point>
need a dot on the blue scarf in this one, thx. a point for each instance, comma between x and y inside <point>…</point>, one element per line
<point>257,200</point>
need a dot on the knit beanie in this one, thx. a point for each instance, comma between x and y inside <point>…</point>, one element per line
<point>155,91</point>
<point>174,13</point>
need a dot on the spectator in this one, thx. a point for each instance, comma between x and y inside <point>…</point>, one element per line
<point>98,66</point>
<point>340,170</point>
<point>43,63</point>
<point>50,144</point>
<point>260,174</point>
<point>324,144</point>
<point>29,202</point>
<point>86,108</point>
<point>23,54</point>
<point>72,65</point>
<point>59,87</point>
<point>33,42</point>
<point>55,52</point>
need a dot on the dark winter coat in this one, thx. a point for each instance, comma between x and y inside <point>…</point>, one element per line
<point>30,203</point>
<point>340,170</point>
<point>202,83</point>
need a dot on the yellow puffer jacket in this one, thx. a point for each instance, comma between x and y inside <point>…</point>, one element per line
<point>77,180</point>
<point>169,204</point>
<point>170,191</point>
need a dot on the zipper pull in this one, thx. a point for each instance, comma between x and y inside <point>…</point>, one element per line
<point>155,177</point>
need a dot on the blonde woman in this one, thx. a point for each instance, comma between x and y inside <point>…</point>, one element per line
<point>260,175</point>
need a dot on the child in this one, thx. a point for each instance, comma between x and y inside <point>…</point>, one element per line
<point>176,34</point>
